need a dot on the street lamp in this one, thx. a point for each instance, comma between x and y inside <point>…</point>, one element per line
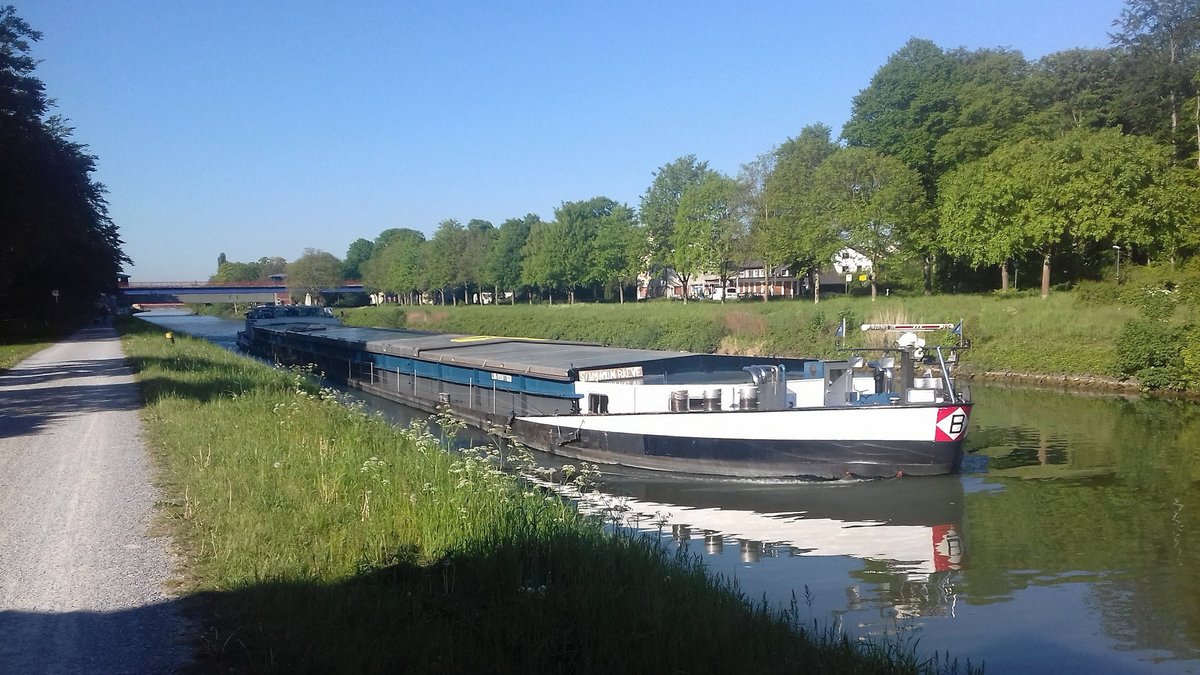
<point>1118,250</point>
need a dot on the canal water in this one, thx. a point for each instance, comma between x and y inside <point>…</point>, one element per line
<point>1071,542</point>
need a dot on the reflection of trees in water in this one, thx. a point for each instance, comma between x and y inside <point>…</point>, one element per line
<point>900,595</point>
<point>1116,506</point>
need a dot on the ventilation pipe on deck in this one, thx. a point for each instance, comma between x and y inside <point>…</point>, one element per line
<point>771,382</point>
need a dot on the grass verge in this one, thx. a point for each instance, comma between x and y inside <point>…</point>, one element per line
<point>1014,332</point>
<point>319,538</point>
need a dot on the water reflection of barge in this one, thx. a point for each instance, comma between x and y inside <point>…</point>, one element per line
<point>679,412</point>
<point>910,527</point>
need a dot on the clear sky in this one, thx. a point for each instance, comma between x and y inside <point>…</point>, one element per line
<point>264,128</point>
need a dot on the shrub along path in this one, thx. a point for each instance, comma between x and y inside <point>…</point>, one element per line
<point>82,582</point>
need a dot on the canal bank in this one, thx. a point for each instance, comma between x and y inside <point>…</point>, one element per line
<point>1076,519</point>
<point>327,540</point>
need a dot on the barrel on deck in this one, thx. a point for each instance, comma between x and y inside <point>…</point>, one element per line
<point>747,398</point>
<point>679,400</point>
<point>712,399</point>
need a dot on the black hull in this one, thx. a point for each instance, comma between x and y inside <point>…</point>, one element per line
<point>748,458</point>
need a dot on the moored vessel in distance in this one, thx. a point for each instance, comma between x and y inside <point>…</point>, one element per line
<point>740,416</point>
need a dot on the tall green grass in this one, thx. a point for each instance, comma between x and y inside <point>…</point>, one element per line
<point>319,538</point>
<point>1009,332</point>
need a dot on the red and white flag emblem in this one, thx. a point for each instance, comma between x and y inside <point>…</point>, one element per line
<point>951,424</point>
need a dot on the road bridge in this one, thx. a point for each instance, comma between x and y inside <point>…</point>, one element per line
<point>208,292</point>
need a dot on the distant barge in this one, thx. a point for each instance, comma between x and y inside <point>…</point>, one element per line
<point>738,416</point>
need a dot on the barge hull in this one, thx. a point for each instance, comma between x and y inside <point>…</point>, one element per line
<point>735,457</point>
<point>542,410</point>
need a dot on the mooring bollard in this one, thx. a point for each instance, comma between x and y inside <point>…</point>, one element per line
<point>170,337</point>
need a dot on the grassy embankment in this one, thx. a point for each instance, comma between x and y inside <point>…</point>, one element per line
<point>320,539</point>
<point>1014,333</point>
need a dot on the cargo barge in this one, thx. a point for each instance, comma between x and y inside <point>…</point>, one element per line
<point>738,416</point>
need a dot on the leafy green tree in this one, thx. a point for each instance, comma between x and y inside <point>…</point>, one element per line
<point>269,266</point>
<point>1161,41</point>
<point>542,258</point>
<point>753,177</point>
<point>1176,200</point>
<point>994,97</point>
<point>231,271</point>
<point>396,267</point>
<point>790,229</point>
<point>1079,87</point>
<point>709,226</point>
<point>910,104</point>
<point>441,269</point>
<point>313,272</point>
<point>616,255</point>
<point>660,203</point>
<point>359,252</point>
<point>478,240</point>
<point>504,262</point>
<point>579,224</point>
<point>1049,197</point>
<point>873,202</point>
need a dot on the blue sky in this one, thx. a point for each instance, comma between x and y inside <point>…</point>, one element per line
<point>264,128</point>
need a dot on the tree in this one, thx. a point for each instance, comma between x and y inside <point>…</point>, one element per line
<point>993,99</point>
<point>752,177</point>
<point>396,267</point>
<point>1050,197</point>
<point>660,203</point>
<point>616,255</point>
<point>872,202</point>
<point>478,240</point>
<point>579,222</point>
<point>790,229</point>
<point>313,272</point>
<point>1161,39</point>
<point>231,271</point>
<point>269,266</point>
<point>504,262</point>
<point>359,252</point>
<point>709,226</point>
<point>443,254</point>
<point>58,234</point>
<point>909,105</point>
<point>1079,86</point>
<point>542,258</point>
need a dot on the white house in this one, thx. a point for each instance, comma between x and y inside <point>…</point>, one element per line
<point>849,261</point>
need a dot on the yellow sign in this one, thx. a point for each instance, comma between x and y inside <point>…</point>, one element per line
<point>862,277</point>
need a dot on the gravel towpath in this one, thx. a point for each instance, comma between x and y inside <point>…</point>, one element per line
<point>83,584</point>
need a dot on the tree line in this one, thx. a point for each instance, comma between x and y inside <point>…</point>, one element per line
<point>60,250</point>
<point>957,170</point>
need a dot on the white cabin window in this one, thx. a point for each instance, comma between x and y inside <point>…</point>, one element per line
<point>598,404</point>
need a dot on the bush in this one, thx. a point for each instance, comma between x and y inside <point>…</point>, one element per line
<point>1190,356</point>
<point>1152,350</point>
<point>1097,293</point>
